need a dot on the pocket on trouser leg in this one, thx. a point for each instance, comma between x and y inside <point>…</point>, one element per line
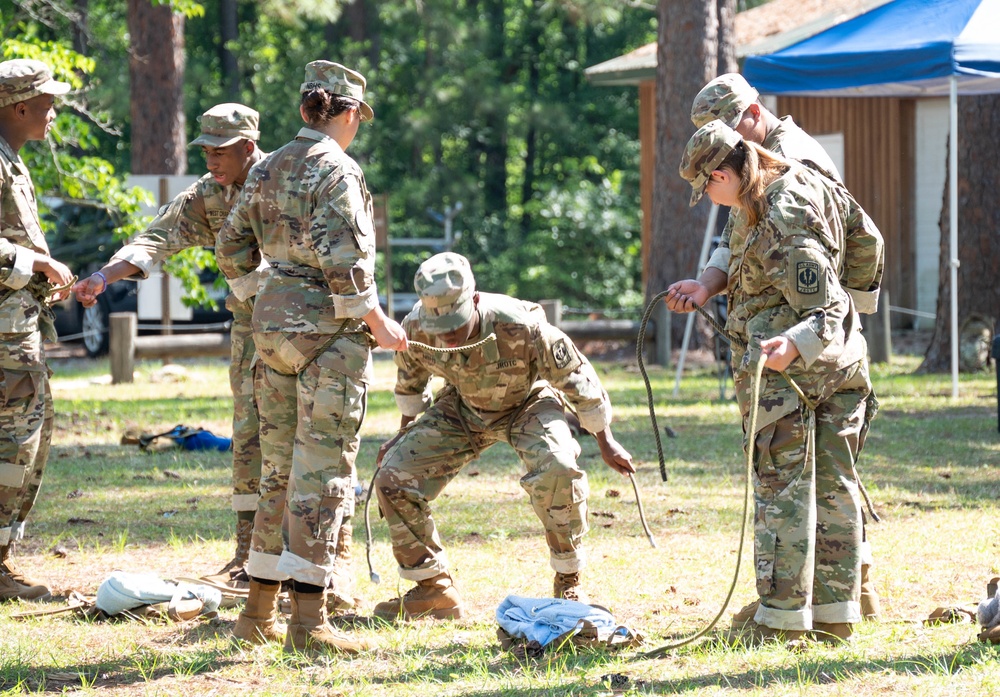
<point>764,552</point>
<point>766,483</point>
<point>21,413</point>
<point>336,506</point>
<point>561,502</point>
<point>17,389</point>
<point>338,405</point>
<point>11,474</point>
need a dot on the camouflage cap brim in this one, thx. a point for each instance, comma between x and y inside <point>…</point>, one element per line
<point>457,316</point>
<point>215,141</point>
<point>338,79</point>
<point>725,98</point>
<point>706,150</point>
<point>53,87</point>
<point>22,79</point>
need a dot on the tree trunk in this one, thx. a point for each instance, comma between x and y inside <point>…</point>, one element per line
<point>156,72</point>
<point>978,228</point>
<point>726,58</point>
<point>532,57</point>
<point>493,143</point>
<point>688,50</point>
<point>229,31</point>
<point>82,9</point>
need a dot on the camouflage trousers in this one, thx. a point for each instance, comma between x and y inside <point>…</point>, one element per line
<point>808,526</point>
<point>26,417</point>
<point>436,447</point>
<point>246,423</point>
<point>309,423</point>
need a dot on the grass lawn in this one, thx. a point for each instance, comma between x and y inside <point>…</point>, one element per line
<point>931,466</point>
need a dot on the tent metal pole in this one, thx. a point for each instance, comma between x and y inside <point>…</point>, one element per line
<point>953,229</point>
<point>706,244</point>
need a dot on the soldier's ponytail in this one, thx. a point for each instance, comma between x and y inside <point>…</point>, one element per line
<point>322,106</point>
<point>756,168</point>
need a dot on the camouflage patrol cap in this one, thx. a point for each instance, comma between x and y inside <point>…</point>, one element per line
<point>338,80</point>
<point>446,288</point>
<point>703,154</point>
<point>725,98</point>
<point>224,124</point>
<point>22,79</point>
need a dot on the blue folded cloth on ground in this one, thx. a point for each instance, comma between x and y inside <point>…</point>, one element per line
<point>544,619</point>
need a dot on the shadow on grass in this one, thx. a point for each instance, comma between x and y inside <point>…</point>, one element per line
<point>458,662</point>
<point>806,672</point>
<point>819,670</point>
<point>145,665</point>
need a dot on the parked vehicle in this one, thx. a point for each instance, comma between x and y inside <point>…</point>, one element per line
<point>84,240</point>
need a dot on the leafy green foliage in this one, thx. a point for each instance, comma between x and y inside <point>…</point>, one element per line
<point>66,165</point>
<point>480,102</point>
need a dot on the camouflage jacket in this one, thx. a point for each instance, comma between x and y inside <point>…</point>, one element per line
<point>306,210</point>
<point>791,142</point>
<point>497,378</point>
<point>783,279</point>
<point>192,219</point>
<point>23,292</point>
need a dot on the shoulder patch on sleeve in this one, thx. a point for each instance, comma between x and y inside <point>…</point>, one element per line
<point>561,354</point>
<point>809,285</point>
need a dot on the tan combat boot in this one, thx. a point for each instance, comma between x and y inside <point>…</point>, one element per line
<point>308,629</point>
<point>434,597</point>
<point>833,632</point>
<point>745,615</point>
<point>232,574</point>
<point>9,566</point>
<point>568,586</point>
<point>12,590</point>
<point>754,634</point>
<point>340,590</point>
<point>990,636</point>
<point>871,606</point>
<point>258,622</point>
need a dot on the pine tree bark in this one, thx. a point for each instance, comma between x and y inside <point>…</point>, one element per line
<point>978,228</point>
<point>690,43</point>
<point>156,72</point>
<point>228,32</point>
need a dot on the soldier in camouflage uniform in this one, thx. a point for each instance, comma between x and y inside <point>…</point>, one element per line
<point>786,300</point>
<point>27,275</point>
<point>509,390</point>
<point>731,99</point>
<point>307,212</point>
<point>229,135</point>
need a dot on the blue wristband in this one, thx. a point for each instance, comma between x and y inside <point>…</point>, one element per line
<point>103,278</point>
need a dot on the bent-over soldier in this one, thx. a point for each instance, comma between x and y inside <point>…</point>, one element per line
<point>509,390</point>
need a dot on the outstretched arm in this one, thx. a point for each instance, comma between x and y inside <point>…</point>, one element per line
<point>682,296</point>
<point>616,457</point>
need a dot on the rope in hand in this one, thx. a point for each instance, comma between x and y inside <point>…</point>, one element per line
<point>744,521</point>
<point>368,529</point>
<point>453,349</point>
<point>640,342</point>
<point>56,290</point>
<point>734,341</point>
<point>754,404</point>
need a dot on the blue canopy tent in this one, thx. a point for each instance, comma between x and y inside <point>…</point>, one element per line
<point>905,48</point>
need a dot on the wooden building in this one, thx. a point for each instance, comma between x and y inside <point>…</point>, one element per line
<point>891,151</point>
